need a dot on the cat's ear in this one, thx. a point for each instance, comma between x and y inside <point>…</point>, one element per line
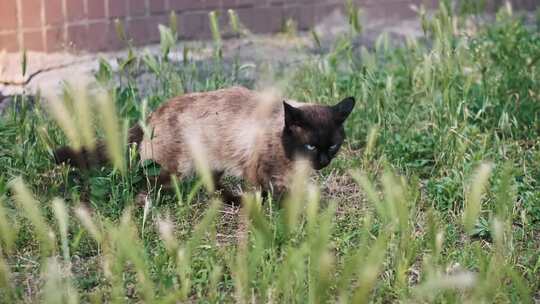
<point>343,109</point>
<point>293,116</point>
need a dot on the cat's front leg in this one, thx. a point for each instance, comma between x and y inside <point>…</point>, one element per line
<point>225,193</point>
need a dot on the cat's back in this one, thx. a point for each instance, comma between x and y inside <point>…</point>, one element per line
<point>235,101</point>
<point>224,122</point>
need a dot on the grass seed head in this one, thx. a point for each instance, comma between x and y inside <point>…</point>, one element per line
<point>64,118</point>
<point>473,202</point>
<point>199,153</point>
<point>61,215</point>
<point>8,232</point>
<point>88,223</point>
<point>115,146</point>
<point>29,207</point>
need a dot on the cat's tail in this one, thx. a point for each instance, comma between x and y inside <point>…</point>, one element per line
<point>85,159</point>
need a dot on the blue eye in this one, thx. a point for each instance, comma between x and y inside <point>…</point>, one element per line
<point>334,147</point>
<point>310,147</point>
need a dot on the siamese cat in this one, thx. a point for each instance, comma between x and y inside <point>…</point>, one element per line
<point>241,134</point>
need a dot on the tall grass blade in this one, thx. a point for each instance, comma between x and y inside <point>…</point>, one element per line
<point>505,197</point>
<point>130,247</point>
<point>167,41</point>
<point>177,191</point>
<point>353,14</point>
<point>8,230</point>
<point>120,30</point>
<point>65,120</point>
<point>83,113</point>
<point>371,141</point>
<point>24,62</point>
<point>214,27</point>
<point>316,38</point>
<point>173,25</point>
<point>200,156</point>
<point>234,22</point>
<point>111,127</point>
<point>88,223</point>
<point>6,284</point>
<point>370,270</point>
<point>146,211</point>
<point>294,203</point>
<point>28,206</point>
<point>353,262</point>
<point>58,287</point>
<point>473,202</point>
<point>434,285</point>
<point>166,232</point>
<point>61,215</point>
<point>371,194</point>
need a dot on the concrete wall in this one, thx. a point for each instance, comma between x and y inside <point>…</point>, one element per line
<point>57,25</point>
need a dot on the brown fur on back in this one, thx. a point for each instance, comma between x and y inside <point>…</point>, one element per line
<point>239,132</point>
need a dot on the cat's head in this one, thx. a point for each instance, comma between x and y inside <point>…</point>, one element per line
<point>315,132</point>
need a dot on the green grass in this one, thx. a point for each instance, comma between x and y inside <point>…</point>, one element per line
<point>434,198</point>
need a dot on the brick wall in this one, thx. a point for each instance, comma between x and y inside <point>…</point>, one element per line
<point>56,25</point>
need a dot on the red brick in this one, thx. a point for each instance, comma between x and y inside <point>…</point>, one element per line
<point>8,15</point>
<point>139,30</point>
<point>117,8</point>
<point>31,13</point>
<point>491,6</point>
<point>54,39</point>
<point>433,4</point>
<point>153,24</point>
<point>97,36</point>
<point>77,36</point>
<point>9,42</point>
<point>33,41</point>
<point>113,40</point>
<point>137,7</point>
<point>157,6</point>
<point>293,2</point>
<point>262,19</point>
<point>226,4</point>
<point>212,4</point>
<point>304,15</point>
<point>96,9</point>
<point>367,2</point>
<point>389,11</point>
<point>324,10</point>
<point>183,5</point>
<point>279,2</point>
<point>75,10</point>
<point>53,12</point>
<point>530,5</point>
<point>194,25</point>
<point>246,3</point>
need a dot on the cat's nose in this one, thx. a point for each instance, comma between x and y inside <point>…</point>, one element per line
<point>324,160</point>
